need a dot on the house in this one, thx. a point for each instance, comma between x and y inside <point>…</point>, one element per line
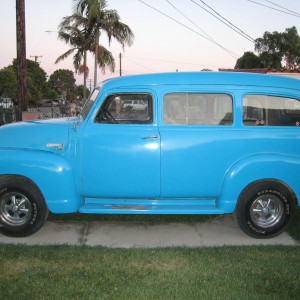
<point>281,72</point>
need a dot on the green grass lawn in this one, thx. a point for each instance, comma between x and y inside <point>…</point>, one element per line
<point>80,272</point>
<point>294,228</point>
<point>70,272</point>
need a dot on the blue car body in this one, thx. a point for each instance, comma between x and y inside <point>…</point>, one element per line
<point>156,167</point>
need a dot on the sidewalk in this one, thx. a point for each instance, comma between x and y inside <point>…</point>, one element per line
<point>219,232</point>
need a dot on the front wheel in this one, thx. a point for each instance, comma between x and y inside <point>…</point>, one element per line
<point>22,207</point>
<point>265,209</point>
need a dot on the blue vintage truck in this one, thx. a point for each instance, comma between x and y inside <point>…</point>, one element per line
<point>176,143</point>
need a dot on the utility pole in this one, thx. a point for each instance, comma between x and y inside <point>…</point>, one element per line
<point>21,59</point>
<point>120,57</point>
<point>36,57</point>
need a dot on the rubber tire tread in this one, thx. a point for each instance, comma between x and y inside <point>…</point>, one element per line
<point>250,193</point>
<point>27,187</point>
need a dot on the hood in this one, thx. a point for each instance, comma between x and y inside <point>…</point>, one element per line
<point>47,135</point>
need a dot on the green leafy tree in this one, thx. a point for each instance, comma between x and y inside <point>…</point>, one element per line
<point>8,83</point>
<point>37,78</point>
<point>272,61</point>
<point>33,91</point>
<point>63,82</point>
<point>248,61</point>
<point>277,47</point>
<point>49,92</point>
<point>80,92</point>
<point>274,50</point>
<point>290,47</point>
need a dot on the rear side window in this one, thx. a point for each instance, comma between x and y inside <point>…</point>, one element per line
<point>267,110</point>
<point>126,109</point>
<point>198,109</point>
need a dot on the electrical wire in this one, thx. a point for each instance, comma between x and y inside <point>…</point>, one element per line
<point>234,55</point>
<point>146,68</point>
<point>285,12</point>
<point>170,62</point>
<point>283,7</point>
<point>227,20</point>
<point>228,24</point>
<point>187,27</point>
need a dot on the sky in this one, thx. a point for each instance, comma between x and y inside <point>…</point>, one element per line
<point>169,34</point>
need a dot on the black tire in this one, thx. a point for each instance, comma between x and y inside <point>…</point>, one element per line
<point>23,210</point>
<point>265,209</point>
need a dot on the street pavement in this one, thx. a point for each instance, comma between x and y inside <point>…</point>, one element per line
<point>218,232</point>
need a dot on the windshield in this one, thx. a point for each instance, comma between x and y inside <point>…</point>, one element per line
<point>89,103</point>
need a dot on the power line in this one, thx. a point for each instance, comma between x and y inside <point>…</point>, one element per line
<point>227,21</point>
<point>151,70</point>
<point>285,12</point>
<point>228,24</point>
<point>283,7</point>
<point>187,27</point>
<point>234,55</point>
<point>170,61</point>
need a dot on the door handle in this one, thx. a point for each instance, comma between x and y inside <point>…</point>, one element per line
<point>150,137</point>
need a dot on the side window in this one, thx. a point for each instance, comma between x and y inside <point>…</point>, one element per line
<point>265,110</point>
<point>198,109</point>
<point>126,109</point>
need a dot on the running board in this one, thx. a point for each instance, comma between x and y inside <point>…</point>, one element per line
<point>151,207</point>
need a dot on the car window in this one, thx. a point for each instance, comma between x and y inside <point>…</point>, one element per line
<point>265,110</point>
<point>198,109</point>
<point>89,103</point>
<point>129,108</point>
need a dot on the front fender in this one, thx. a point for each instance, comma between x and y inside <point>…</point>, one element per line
<point>53,174</point>
<point>284,168</point>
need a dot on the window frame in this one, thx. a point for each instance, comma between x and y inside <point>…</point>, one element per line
<point>216,93</point>
<point>110,97</point>
<point>265,110</point>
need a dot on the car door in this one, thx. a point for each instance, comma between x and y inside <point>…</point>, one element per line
<point>121,148</point>
<point>198,144</point>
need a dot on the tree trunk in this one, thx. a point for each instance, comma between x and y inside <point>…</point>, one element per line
<point>84,76</point>
<point>21,59</point>
<point>96,58</point>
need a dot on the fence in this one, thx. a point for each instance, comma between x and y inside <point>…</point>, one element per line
<point>8,115</point>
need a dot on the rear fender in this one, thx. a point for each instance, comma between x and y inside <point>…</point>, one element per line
<point>258,167</point>
<point>52,174</point>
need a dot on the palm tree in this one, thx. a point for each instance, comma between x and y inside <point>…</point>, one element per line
<point>72,30</point>
<point>100,19</point>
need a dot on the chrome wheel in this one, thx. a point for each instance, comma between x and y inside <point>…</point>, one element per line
<point>266,211</point>
<point>15,209</point>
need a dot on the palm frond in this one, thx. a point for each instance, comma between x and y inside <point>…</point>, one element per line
<point>65,55</point>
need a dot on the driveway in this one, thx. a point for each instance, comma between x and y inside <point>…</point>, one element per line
<point>219,232</point>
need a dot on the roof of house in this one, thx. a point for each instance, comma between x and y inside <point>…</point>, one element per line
<point>261,70</point>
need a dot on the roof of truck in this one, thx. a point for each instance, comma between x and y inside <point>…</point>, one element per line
<point>203,78</point>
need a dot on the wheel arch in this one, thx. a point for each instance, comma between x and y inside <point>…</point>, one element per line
<point>52,174</point>
<point>277,181</point>
<point>249,170</point>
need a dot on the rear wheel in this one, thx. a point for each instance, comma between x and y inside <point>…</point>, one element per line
<point>265,209</point>
<point>22,207</point>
